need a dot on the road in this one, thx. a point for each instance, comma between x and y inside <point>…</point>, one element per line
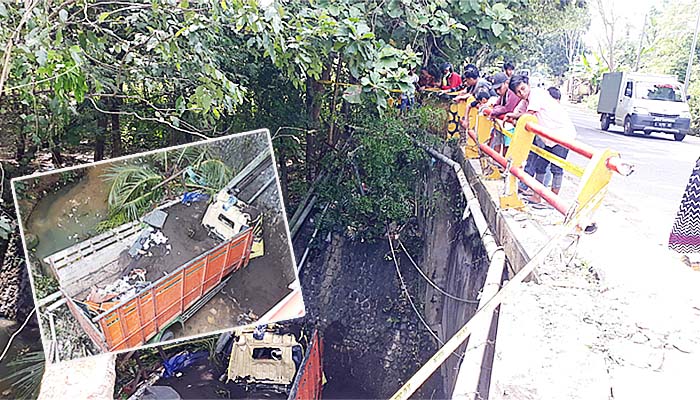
<point>649,198</point>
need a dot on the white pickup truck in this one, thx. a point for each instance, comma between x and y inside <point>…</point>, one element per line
<point>644,102</point>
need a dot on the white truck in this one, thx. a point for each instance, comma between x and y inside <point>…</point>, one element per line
<point>644,102</point>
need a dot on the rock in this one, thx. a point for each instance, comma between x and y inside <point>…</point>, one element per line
<point>32,240</point>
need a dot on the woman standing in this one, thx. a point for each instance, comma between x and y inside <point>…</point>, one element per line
<point>685,234</point>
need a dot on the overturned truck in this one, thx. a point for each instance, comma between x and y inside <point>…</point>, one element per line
<point>127,286</point>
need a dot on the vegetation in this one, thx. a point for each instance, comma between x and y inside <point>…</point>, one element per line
<point>138,185</point>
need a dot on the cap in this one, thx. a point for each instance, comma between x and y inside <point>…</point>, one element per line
<point>499,79</point>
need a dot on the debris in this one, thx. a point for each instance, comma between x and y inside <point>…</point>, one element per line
<point>192,197</point>
<point>180,361</point>
<point>156,218</point>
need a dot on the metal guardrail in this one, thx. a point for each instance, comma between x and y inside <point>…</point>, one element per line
<point>594,177</point>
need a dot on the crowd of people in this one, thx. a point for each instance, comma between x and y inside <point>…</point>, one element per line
<point>509,96</point>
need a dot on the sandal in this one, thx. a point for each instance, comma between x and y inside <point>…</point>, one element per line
<point>590,229</point>
<point>526,192</point>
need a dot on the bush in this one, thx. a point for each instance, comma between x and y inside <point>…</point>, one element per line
<point>374,183</point>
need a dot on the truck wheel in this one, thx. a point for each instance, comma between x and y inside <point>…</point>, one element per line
<point>167,335</point>
<point>604,122</point>
<point>628,127</point>
<point>679,136</point>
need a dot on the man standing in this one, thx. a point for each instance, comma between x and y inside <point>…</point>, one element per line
<point>551,115</point>
<point>507,102</point>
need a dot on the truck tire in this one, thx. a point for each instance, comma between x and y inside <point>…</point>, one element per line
<point>628,127</point>
<point>167,335</point>
<point>679,136</point>
<point>604,122</point>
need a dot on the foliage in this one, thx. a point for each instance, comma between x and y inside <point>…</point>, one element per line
<point>45,285</point>
<point>25,379</point>
<point>375,185</point>
<point>133,189</point>
<point>550,37</point>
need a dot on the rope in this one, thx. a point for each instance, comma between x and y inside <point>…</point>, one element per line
<point>433,283</point>
<point>410,300</point>
<point>9,342</point>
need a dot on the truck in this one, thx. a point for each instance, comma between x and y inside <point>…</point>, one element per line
<point>644,102</point>
<point>274,358</point>
<point>127,286</point>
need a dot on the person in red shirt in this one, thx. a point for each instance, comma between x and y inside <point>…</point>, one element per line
<point>450,79</point>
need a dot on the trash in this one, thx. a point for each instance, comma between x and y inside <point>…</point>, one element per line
<point>161,393</point>
<point>140,242</point>
<point>156,218</point>
<point>259,332</point>
<point>192,197</point>
<point>181,361</point>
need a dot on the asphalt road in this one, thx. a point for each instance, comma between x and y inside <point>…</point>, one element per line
<point>649,198</point>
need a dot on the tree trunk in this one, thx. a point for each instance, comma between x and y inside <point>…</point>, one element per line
<point>314,101</point>
<point>56,156</point>
<point>20,145</point>
<point>100,135</point>
<point>116,129</point>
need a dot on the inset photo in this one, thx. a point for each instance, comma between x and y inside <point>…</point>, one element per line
<point>160,246</point>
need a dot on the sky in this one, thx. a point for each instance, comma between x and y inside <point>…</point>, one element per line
<point>630,11</point>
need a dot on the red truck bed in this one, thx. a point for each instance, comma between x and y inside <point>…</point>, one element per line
<point>179,276</point>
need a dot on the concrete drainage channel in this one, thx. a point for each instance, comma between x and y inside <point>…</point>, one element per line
<point>468,376</point>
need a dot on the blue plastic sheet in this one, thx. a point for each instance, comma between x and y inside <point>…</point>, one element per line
<point>181,361</point>
<point>191,197</point>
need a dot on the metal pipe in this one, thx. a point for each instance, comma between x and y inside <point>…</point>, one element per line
<point>531,182</point>
<point>470,371</point>
<point>302,217</point>
<point>613,163</point>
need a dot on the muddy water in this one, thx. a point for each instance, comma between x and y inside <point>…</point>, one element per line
<point>69,215</point>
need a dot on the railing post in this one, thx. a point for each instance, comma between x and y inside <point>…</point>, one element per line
<point>595,179</point>
<point>484,125</point>
<point>516,155</point>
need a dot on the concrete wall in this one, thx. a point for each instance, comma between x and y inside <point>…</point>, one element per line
<point>453,257</point>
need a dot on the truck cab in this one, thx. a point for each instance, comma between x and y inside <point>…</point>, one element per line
<point>644,102</point>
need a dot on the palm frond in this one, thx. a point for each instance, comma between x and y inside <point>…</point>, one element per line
<point>132,188</point>
<point>25,380</point>
<point>214,173</point>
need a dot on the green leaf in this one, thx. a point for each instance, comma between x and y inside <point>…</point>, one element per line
<point>394,9</point>
<point>102,17</point>
<point>353,94</point>
<point>497,28</point>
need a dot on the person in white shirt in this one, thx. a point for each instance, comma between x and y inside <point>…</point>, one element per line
<point>551,115</point>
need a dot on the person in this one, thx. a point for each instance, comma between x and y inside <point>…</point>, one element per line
<point>506,103</point>
<point>685,233</point>
<point>508,68</point>
<point>473,83</point>
<point>426,79</point>
<point>450,79</point>
<point>550,115</point>
<point>482,100</point>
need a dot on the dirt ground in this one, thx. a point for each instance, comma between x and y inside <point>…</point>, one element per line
<point>187,237</point>
<point>622,321</point>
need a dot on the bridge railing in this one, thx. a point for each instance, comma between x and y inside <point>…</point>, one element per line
<point>594,177</point>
